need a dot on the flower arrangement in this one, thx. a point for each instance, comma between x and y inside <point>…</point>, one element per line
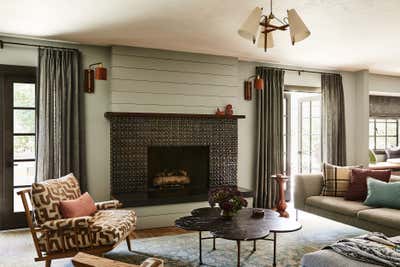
<point>229,199</point>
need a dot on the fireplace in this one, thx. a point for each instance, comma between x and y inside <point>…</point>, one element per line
<point>177,170</point>
<point>171,158</point>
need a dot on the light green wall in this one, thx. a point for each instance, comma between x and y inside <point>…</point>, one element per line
<point>97,129</point>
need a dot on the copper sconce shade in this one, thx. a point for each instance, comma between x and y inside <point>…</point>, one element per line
<point>101,73</point>
<point>98,73</point>
<point>248,86</point>
<point>259,83</point>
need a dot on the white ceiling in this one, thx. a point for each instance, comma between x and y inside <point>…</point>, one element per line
<point>345,34</point>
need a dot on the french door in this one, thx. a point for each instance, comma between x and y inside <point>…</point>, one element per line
<point>18,140</point>
<point>309,110</point>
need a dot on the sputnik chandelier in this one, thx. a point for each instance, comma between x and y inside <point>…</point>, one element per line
<point>258,27</point>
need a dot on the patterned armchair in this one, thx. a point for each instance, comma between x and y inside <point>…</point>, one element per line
<point>55,237</point>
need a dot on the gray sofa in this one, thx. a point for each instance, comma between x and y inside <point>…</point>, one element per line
<point>307,198</point>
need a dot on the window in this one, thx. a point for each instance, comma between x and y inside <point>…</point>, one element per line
<point>383,133</point>
<point>24,138</point>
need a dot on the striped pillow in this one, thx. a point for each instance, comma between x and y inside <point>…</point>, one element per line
<point>336,180</point>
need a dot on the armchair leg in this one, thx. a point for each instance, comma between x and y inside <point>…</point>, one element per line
<point>128,243</point>
<point>48,263</point>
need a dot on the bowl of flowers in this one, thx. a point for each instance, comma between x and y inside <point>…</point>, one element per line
<point>229,200</point>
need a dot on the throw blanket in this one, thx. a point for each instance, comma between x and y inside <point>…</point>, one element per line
<point>374,248</point>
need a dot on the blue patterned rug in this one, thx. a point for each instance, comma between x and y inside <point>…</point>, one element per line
<point>16,248</point>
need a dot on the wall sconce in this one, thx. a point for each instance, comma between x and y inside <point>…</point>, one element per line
<point>98,73</point>
<point>258,84</point>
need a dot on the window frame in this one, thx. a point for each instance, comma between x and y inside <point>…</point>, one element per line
<point>386,136</point>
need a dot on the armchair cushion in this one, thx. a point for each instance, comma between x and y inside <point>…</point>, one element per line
<point>69,223</point>
<point>47,195</point>
<point>82,206</point>
<point>107,227</point>
<point>109,204</point>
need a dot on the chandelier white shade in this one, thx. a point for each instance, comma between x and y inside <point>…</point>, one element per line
<point>258,28</point>
<point>298,30</point>
<point>251,25</point>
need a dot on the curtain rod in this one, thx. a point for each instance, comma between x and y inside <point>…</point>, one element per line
<point>299,71</point>
<point>2,43</point>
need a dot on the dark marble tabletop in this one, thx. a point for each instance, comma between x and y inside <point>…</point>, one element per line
<point>242,226</point>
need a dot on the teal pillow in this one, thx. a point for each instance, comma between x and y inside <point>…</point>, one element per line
<point>381,194</point>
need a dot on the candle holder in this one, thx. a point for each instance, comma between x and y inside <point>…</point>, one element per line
<point>281,206</point>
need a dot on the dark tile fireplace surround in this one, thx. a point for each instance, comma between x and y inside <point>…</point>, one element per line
<point>171,158</point>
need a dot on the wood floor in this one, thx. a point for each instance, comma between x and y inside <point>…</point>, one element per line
<point>156,232</point>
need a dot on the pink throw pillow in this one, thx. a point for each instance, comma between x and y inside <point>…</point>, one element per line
<point>82,206</point>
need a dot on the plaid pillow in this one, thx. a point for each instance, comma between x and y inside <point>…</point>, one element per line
<point>336,180</point>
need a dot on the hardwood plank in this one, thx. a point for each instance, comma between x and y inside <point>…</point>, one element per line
<point>173,76</point>
<point>167,54</point>
<point>157,232</point>
<point>157,87</point>
<point>141,62</point>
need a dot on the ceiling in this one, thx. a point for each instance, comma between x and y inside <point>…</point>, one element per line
<point>345,34</point>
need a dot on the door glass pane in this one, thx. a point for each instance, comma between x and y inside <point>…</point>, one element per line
<point>24,173</point>
<point>18,206</point>
<point>316,125</point>
<point>24,95</point>
<point>305,127</point>
<point>24,121</point>
<point>316,108</point>
<point>306,109</point>
<point>305,164</point>
<point>24,147</point>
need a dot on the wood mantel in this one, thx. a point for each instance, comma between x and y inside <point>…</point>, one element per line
<point>109,115</point>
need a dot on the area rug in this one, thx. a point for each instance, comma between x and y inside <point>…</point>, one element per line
<point>182,250</point>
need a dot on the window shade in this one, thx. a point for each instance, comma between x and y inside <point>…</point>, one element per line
<point>384,106</point>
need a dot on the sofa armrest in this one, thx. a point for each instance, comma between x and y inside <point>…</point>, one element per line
<point>67,224</point>
<point>306,185</point>
<point>109,204</point>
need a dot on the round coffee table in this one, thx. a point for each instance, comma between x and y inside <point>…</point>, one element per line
<point>242,227</point>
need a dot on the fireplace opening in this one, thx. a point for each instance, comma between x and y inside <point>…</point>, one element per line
<point>177,170</point>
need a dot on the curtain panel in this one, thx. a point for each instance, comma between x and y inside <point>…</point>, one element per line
<point>269,135</point>
<point>59,136</point>
<point>333,120</point>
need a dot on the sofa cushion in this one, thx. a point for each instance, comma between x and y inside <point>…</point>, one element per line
<point>336,204</point>
<point>384,216</point>
<point>336,180</point>
<point>47,195</point>
<point>383,195</point>
<point>358,183</point>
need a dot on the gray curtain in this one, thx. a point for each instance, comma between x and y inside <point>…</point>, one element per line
<point>59,139</point>
<point>333,120</point>
<point>269,135</point>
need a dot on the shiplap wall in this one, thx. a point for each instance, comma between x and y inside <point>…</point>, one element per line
<point>150,80</point>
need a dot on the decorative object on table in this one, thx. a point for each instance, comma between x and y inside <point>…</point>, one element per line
<point>229,110</point>
<point>220,112</point>
<point>372,156</point>
<point>248,88</point>
<point>98,73</point>
<point>281,206</point>
<point>258,213</point>
<point>269,24</point>
<point>229,199</point>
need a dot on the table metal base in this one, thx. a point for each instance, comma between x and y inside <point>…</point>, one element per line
<point>274,240</point>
